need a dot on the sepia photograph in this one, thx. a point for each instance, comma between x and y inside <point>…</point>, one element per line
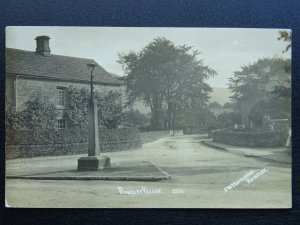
<point>147,117</point>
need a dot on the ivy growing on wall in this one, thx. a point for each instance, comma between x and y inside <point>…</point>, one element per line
<point>109,104</point>
<point>41,114</point>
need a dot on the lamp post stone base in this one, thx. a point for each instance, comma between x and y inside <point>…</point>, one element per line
<point>93,163</point>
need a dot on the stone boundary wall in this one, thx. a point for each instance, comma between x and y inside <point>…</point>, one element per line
<point>24,144</point>
<point>175,132</point>
<point>250,139</point>
<point>195,131</point>
<point>153,135</point>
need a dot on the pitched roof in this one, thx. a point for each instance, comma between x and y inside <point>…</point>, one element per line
<point>55,67</point>
<point>115,75</point>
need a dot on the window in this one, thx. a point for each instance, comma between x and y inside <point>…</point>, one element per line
<point>61,124</point>
<point>61,96</point>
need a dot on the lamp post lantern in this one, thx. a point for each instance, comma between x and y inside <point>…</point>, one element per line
<point>91,67</point>
<point>93,161</point>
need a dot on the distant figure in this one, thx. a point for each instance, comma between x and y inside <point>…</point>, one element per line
<point>288,141</point>
<point>267,121</point>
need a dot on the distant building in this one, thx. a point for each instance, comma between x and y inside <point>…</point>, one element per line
<point>41,74</point>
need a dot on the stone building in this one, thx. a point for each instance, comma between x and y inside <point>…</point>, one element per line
<point>32,74</point>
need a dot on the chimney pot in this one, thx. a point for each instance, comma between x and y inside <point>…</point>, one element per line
<point>42,45</point>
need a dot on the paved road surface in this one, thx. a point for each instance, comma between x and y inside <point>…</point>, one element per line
<point>199,176</point>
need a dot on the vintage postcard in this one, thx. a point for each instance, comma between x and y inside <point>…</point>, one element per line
<point>123,117</point>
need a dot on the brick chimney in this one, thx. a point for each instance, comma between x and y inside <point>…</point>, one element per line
<point>42,45</point>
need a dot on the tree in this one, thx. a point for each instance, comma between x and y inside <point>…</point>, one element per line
<point>259,82</point>
<point>136,118</point>
<point>38,114</point>
<point>284,90</point>
<point>229,105</point>
<point>214,105</point>
<point>287,37</point>
<point>256,79</point>
<point>13,120</point>
<point>166,77</point>
<point>229,119</point>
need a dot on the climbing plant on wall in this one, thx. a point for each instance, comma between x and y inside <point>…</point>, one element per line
<point>109,104</point>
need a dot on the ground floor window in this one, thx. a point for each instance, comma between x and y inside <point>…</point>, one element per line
<point>61,124</point>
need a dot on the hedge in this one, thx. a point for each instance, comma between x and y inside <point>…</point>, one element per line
<point>31,143</point>
<point>39,137</point>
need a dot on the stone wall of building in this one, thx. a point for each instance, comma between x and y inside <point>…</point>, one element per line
<point>9,90</point>
<point>28,89</point>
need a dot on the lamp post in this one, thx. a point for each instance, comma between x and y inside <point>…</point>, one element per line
<point>91,67</point>
<point>93,133</point>
<point>93,161</point>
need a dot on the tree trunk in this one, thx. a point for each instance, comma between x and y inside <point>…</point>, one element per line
<point>156,113</point>
<point>169,116</point>
<point>156,120</point>
<point>173,119</point>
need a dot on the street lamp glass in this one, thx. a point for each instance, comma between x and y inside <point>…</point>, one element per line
<point>91,66</point>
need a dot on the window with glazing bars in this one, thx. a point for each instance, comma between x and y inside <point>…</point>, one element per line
<point>60,96</point>
<point>61,124</point>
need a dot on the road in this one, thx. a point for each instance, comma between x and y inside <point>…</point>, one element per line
<point>199,175</point>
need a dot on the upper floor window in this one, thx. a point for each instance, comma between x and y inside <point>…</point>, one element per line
<point>61,96</point>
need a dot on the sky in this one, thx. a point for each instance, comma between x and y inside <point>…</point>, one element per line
<point>223,49</point>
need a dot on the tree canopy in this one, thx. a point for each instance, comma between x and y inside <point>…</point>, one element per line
<point>287,37</point>
<point>214,105</point>
<point>39,114</point>
<point>265,87</point>
<point>255,80</point>
<point>167,78</point>
<point>284,90</point>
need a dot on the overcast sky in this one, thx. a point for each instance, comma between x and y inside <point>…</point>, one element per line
<point>224,50</point>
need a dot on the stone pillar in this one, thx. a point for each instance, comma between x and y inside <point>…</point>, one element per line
<point>93,134</point>
<point>93,161</point>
